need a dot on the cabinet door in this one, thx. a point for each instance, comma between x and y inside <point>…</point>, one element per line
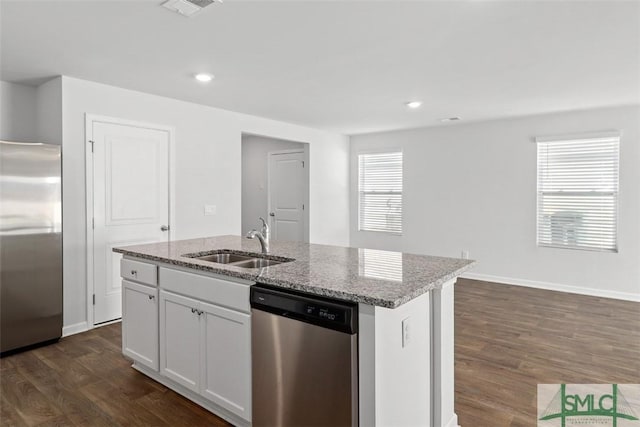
<point>180,339</point>
<point>140,323</point>
<point>226,359</point>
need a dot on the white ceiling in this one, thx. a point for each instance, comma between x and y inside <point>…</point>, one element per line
<point>346,66</point>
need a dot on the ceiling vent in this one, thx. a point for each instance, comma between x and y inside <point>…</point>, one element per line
<point>187,7</point>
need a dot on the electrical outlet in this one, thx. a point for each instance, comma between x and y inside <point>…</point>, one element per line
<point>465,254</point>
<point>406,332</point>
<point>209,210</point>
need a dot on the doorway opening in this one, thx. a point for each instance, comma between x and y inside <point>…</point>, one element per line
<point>275,186</point>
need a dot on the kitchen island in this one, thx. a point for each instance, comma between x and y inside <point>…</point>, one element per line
<point>187,322</point>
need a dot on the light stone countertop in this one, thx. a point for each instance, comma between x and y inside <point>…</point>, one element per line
<point>380,278</point>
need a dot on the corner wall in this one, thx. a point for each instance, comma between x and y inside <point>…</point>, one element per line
<point>49,97</point>
<point>473,186</point>
<point>18,112</point>
<point>207,152</point>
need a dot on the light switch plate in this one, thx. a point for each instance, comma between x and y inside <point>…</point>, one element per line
<point>209,210</point>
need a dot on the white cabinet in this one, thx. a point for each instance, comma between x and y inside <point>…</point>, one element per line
<point>226,358</point>
<point>137,271</point>
<point>224,293</point>
<point>193,331</point>
<point>207,349</point>
<point>180,339</point>
<point>140,323</point>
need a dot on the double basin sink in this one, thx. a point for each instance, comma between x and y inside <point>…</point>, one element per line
<point>239,259</point>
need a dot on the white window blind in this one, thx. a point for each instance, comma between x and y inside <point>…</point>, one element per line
<point>578,192</point>
<point>380,192</point>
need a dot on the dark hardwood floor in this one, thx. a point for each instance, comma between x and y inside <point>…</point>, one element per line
<point>84,380</point>
<point>508,339</point>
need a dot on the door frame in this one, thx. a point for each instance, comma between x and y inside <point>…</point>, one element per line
<point>307,190</point>
<point>90,120</point>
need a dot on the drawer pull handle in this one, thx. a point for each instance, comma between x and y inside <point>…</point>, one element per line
<point>152,296</point>
<point>193,310</point>
<point>134,273</point>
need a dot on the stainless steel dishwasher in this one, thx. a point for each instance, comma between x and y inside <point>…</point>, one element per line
<point>304,360</point>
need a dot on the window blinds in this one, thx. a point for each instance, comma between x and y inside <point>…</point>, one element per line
<point>578,192</point>
<point>380,192</point>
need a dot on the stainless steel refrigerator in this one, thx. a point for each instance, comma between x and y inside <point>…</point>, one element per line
<point>30,244</point>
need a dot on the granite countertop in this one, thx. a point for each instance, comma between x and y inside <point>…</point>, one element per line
<point>381,278</point>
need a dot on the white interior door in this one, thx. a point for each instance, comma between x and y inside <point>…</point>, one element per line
<point>130,203</point>
<point>287,191</point>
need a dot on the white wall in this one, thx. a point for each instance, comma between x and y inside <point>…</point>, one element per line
<point>473,186</point>
<point>31,114</point>
<point>207,153</point>
<point>18,112</point>
<point>255,160</point>
<point>49,97</point>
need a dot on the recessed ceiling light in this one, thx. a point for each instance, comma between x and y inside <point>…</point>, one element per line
<point>450,119</point>
<point>414,104</point>
<point>203,77</point>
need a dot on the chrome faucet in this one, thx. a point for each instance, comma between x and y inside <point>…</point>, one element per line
<point>263,236</point>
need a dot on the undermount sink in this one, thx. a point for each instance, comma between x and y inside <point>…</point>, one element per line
<point>258,263</point>
<point>224,258</point>
<point>242,260</point>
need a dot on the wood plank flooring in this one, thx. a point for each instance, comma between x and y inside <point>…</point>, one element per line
<point>84,380</point>
<point>508,339</point>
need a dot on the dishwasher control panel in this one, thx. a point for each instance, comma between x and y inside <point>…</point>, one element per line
<point>333,314</point>
<point>326,313</point>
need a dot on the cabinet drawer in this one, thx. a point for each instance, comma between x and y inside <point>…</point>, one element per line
<point>139,271</point>
<point>209,289</point>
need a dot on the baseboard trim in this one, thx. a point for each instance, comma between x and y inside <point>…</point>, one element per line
<point>74,329</point>
<point>626,296</point>
<point>453,422</point>
<point>107,323</point>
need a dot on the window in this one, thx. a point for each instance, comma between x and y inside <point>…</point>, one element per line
<point>380,192</point>
<point>578,192</point>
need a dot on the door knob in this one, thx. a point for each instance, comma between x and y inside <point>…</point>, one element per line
<point>272,214</point>
<point>164,228</point>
